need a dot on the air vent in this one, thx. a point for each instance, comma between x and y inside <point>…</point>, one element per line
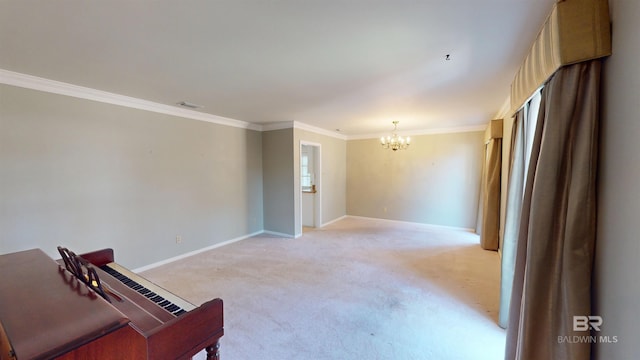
<point>189,105</point>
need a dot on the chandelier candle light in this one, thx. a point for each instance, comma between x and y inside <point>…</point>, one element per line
<point>393,141</point>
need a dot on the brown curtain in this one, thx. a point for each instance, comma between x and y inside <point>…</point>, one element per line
<point>554,256</point>
<point>489,236</point>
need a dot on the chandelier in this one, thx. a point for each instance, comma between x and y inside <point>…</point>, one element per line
<point>393,141</point>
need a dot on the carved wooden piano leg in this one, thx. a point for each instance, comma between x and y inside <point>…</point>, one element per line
<point>213,351</point>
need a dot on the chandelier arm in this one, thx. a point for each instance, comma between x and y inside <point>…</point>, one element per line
<point>394,141</point>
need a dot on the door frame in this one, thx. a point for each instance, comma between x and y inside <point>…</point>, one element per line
<point>317,168</point>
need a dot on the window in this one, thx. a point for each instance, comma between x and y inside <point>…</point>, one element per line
<point>305,175</point>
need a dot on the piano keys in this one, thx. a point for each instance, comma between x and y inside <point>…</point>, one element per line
<point>140,320</point>
<point>151,291</point>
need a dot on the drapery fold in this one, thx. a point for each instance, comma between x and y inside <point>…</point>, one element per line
<point>524,127</point>
<point>555,246</point>
<point>490,228</point>
<point>512,216</point>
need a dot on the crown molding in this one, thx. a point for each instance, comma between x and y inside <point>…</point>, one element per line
<point>277,126</point>
<point>301,126</point>
<point>57,87</point>
<point>503,112</point>
<point>317,130</point>
<point>450,130</point>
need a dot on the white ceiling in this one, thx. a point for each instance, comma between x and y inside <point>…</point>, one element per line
<point>353,65</point>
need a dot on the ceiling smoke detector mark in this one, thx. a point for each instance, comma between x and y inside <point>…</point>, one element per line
<point>189,105</point>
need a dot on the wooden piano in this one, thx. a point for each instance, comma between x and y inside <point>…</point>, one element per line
<point>47,312</point>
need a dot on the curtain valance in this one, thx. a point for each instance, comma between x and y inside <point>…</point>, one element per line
<point>493,131</point>
<point>575,31</point>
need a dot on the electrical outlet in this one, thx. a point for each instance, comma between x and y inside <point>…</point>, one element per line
<point>178,239</point>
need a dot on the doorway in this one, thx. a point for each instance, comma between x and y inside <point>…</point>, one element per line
<point>310,186</point>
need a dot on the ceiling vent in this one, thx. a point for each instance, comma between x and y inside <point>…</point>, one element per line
<point>189,105</point>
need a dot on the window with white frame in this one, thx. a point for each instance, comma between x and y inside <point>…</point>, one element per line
<point>307,168</point>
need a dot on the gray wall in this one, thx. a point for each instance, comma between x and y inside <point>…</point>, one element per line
<point>278,177</point>
<point>88,175</point>
<point>435,181</point>
<point>617,267</point>
<point>333,178</point>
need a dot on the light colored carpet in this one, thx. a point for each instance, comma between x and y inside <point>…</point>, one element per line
<point>355,289</point>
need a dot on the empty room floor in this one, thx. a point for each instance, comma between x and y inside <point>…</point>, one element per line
<point>355,289</point>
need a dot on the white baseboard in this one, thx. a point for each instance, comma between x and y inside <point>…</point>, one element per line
<point>288,236</point>
<point>444,227</point>
<point>334,220</point>
<point>279,234</point>
<point>194,252</point>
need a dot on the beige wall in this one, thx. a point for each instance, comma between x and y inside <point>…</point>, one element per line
<point>617,265</point>
<point>435,181</point>
<point>89,175</point>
